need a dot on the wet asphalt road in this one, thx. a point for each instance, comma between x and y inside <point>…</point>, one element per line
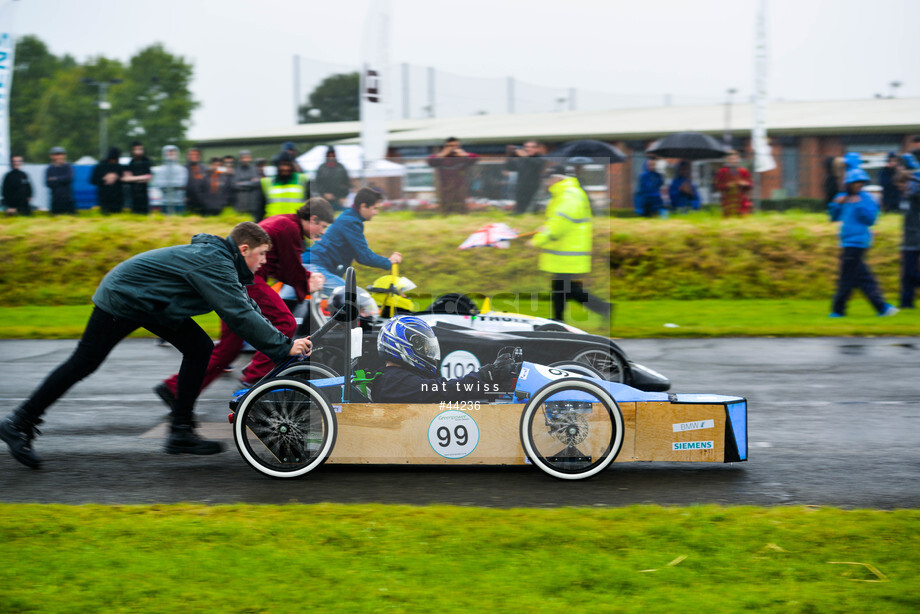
<point>832,421</point>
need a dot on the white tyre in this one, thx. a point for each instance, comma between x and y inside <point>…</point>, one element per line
<point>572,429</point>
<point>284,428</point>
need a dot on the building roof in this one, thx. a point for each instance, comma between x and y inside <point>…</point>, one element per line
<point>886,115</point>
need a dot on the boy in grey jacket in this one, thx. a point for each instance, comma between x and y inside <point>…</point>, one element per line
<point>160,291</point>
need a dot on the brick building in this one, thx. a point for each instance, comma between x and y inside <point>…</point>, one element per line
<point>802,136</point>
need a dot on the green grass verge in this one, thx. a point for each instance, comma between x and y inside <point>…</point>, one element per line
<point>632,319</point>
<point>368,558</point>
<point>68,322</point>
<point>793,255</point>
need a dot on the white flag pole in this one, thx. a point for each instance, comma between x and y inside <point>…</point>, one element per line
<point>7,60</point>
<point>763,156</point>
<point>375,84</point>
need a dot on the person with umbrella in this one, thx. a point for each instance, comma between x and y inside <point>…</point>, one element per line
<point>647,200</point>
<point>734,184</point>
<point>682,192</point>
<point>565,243</point>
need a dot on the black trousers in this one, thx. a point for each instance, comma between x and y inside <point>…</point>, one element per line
<point>523,197</point>
<point>63,206</point>
<point>567,288</point>
<point>140,200</point>
<point>854,273</point>
<point>103,332</point>
<point>910,276</point>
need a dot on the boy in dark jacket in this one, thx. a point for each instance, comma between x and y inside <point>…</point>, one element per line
<point>344,242</point>
<point>59,179</point>
<point>332,182</point>
<point>857,211</point>
<point>106,177</point>
<point>412,354</point>
<point>283,264</point>
<point>17,190</point>
<point>138,174</point>
<point>160,291</point>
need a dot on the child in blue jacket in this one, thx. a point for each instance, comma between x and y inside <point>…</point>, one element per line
<point>857,211</point>
<point>344,243</point>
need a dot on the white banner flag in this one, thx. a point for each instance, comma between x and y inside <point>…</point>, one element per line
<point>763,155</point>
<point>7,57</point>
<point>375,91</point>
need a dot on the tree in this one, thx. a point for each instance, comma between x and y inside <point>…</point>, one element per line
<point>336,99</point>
<point>51,103</point>
<point>154,104</point>
<point>33,71</point>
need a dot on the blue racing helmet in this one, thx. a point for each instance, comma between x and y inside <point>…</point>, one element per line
<point>408,340</point>
<point>856,174</point>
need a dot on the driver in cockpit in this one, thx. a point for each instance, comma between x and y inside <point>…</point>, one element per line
<point>412,354</point>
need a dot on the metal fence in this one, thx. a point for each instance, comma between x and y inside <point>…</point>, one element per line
<point>417,92</point>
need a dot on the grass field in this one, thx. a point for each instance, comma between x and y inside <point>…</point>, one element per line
<point>631,319</point>
<point>769,274</point>
<point>697,276</point>
<point>60,261</point>
<point>369,558</point>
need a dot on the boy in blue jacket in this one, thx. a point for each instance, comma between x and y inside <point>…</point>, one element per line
<point>344,242</point>
<point>857,211</point>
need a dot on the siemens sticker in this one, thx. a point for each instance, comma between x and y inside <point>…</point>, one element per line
<point>693,426</point>
<point>691,445</point>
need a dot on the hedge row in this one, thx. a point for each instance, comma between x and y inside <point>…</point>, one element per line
<point>57,261</point>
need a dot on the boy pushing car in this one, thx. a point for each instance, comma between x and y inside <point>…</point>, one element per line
<point>160,291</point>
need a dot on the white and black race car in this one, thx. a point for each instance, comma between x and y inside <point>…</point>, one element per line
<point>470,338</point>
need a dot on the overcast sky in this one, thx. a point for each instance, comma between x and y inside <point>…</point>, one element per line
<point>242,50</point>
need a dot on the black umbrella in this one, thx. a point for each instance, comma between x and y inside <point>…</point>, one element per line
<point>588,148</point>
<point>688,146</point>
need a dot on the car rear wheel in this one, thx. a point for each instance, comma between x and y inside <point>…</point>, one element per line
<point>572,429</point>
<point>609,364</point>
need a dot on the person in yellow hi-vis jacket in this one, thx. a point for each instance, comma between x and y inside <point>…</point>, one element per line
<point>565,243</point>
<point>284,193</point>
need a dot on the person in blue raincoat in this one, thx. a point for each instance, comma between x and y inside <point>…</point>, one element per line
<point>857,212</point>
<point>648,201</point>
<point>682,192</point>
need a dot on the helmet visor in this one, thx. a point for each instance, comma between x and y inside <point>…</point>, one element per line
<point>426,345</point>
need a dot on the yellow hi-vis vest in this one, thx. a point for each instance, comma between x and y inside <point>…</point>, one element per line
<point>283,198</point>
<point>565,241</point>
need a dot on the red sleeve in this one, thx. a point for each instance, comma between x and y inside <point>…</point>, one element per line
<point>283,262</point>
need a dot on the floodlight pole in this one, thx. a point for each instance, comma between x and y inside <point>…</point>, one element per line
<point>727,138</point>
<point>104,106</point>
